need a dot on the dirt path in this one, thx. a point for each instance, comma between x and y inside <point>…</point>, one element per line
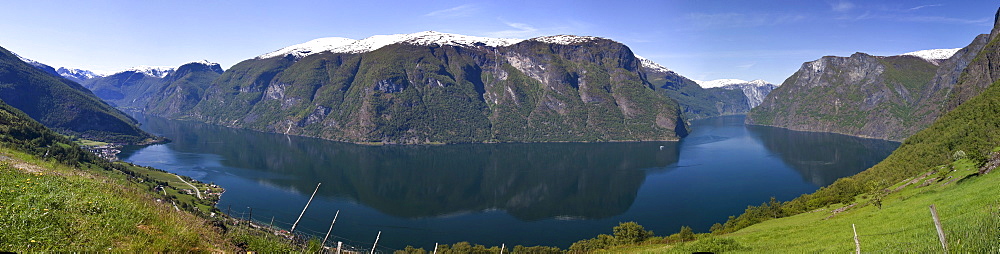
<point>196,191</point>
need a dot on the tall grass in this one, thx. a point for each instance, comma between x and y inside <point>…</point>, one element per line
<point>60,210</point>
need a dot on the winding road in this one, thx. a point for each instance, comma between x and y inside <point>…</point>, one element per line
<point>196,191</point>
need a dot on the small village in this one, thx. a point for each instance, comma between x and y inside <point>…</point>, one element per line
<point>108,152</point>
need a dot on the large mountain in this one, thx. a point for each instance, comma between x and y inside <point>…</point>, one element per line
<point>435,87</point>
<point>182,89</point>
<point>885,97</point>
<point>61,104</point>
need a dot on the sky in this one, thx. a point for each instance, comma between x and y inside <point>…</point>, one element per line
<point>702,40</point>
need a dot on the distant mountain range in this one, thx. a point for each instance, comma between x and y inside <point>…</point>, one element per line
<point>61,104</point>
<point>754,90</point>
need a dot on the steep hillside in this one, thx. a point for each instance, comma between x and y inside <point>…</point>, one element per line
<point>63,105</point>
<point>433,87</point>
<point>861,95</point>
<point>980,72</point>
<point>880,97</point>
<point>56,197</point>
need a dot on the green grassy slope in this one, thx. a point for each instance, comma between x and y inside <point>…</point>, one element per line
<point>57,197</point>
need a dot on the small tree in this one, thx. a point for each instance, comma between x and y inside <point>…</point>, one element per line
<point>686,234</point>
<point>958,155</point>
<point>876,189</point>
<point>631,233</point>
<point>716,228</point>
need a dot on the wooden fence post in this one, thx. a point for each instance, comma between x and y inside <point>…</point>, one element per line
<point>857,244</point>
<point>304,209</point>
<point>940,230</point>
<point>331,228</point>
<point>376,241</point>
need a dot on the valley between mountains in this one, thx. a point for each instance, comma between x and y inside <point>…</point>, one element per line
<point>621,132</point>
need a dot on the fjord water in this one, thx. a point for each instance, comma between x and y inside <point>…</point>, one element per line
<point>528,194</point>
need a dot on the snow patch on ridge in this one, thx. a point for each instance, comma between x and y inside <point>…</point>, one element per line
<point>202,62</point>
<point>29,61</point>
<point>152,71</point>
<point>565,39</point>
<point>726,82</point>
<point>649,64</point>
<point>933,54</point>
<point>77,73</point>
<point>346,45</point>
<point>719,82</point>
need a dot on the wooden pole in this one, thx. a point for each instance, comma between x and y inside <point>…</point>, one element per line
<point>272,223</point>
<point>857,244</point>
<point>339,246</point>
<point>501,247</point>
<point>250,218</point>
<point>376,241</point>
<point>940,230</point>
<point>435,248</point>
<point>304,209</point>
<point>331,228</point>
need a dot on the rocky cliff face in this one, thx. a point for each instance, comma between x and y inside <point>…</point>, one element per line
<point>561,88</point>
<point>880,97</point>
<point>982,71</point>
<point>754,91</point>
<point>860,95</point>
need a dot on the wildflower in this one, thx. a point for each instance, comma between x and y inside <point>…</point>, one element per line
<point>32,240</point>
<point>46,209</point>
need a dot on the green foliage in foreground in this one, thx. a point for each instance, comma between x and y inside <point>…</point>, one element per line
<point>969,207</point>
<point>625,234</point>
<point>66,209</point>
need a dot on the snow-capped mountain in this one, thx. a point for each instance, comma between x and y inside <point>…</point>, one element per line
<point>39,65</point>
<point>726,82</point>
<point>755,90</point>
<point>933,54</point>
<point>29,61</point>
<point>77,75</point>
<point>346,45</point>
<point>152,71</point>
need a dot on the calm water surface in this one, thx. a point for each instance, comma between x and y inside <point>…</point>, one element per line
<point>527,194</point>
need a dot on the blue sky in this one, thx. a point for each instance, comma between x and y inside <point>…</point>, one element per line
<point>699,39</point>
